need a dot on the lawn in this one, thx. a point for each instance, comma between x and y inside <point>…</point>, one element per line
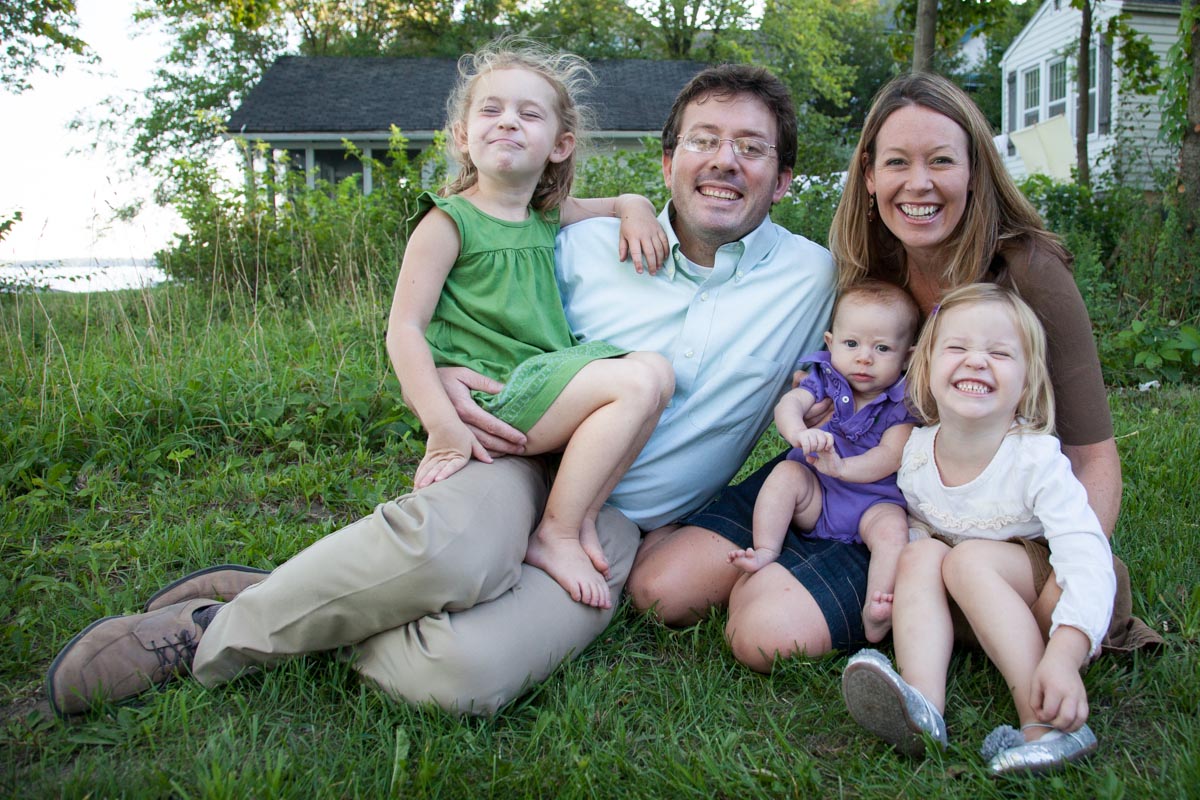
<point>143,435</point>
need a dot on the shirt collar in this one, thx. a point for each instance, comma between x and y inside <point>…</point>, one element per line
<point>821,360</point>
<point>754,246</point>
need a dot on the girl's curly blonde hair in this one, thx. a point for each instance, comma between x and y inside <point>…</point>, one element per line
<point>570,76</point>
<point>1035,410</point>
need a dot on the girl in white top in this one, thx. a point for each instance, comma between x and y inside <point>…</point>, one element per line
<point>986,483</point>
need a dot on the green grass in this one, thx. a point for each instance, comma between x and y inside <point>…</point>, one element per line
<point>146,434</point>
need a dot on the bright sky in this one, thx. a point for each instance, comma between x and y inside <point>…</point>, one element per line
<point>67,197</point>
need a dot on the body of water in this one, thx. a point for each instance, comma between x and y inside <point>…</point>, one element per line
<point>82,275</point>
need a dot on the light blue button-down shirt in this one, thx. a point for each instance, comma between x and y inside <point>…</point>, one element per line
<point>733,337</point>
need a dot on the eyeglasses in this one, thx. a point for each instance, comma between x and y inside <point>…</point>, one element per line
<point>743,146</point>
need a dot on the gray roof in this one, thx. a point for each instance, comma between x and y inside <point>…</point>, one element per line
<point>326,95</point>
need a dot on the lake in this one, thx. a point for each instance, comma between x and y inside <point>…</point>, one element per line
<point>82,274</point>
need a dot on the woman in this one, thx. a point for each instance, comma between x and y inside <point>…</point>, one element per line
<point>928,206</point>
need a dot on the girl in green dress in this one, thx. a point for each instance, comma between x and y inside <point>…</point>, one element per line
<point>477,289</point>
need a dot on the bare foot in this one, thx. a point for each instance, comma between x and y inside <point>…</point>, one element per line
<point>752,559</point>
<point>563,558</point>
<point>589,540</point>
<point>877,616</point>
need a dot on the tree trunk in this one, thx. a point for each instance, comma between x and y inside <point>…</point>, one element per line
<point>1189,154</point>
<point>924,36</point>
<point>1083,109</point>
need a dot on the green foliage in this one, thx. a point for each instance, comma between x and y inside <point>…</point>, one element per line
<point>256,461</point>
<point>212,64</point>
<point>638,171</point>
<point>283,238</point>
<point>809,205</point>
<point>7,222</point>
<point>590,28</point>
<point>1177,77</point>
<point>32,32</point>
<point>1162,349</point>
<point>955,19</point>
<point>985,80</point>
<point>1135,270</point>
<point>680,24</point>
<point>1134,57</point>
<point>825,52</point>
<point>148,386</point>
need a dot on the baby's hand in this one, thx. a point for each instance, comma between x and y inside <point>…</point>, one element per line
<point>643,241</point>
<point>813,440</point>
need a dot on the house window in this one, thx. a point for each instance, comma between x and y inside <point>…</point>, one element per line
<point>1032,82</point>
<point>1057,89</point>
<point>1093,106</point>
<point>334,166</point>
<point>1012,110</point>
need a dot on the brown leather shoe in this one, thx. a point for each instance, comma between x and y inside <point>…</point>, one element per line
<point>223,582</point>
<point>118,657</point>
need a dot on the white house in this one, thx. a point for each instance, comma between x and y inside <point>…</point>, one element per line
<point>1039,102</point>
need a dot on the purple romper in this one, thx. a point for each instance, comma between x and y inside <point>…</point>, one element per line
<point>843,503</point>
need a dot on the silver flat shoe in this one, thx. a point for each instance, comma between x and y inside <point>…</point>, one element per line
<point>1050,753</point>
<point>883,703</point>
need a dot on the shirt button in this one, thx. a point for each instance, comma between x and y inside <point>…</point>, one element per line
<point>689,354</point>
<point>704,296</point>
<point>845,399</point>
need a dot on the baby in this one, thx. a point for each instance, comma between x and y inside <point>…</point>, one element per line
<point>839,481</point>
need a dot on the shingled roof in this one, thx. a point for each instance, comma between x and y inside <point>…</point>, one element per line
<point>329,96</point>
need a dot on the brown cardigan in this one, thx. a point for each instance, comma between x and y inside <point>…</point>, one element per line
<point>1048,286</point>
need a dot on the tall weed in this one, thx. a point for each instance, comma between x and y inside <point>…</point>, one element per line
<point>135,384</point>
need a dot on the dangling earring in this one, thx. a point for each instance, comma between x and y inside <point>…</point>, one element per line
<point>870,208</point>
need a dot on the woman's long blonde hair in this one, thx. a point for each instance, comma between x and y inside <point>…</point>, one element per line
<point>997,215</point>
<point>1036,407</point>
<point>570,76</point>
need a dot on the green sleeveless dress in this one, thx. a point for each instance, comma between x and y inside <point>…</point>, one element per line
<point>500,312</point>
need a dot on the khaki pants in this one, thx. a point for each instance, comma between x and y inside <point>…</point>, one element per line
<point>429,592</point>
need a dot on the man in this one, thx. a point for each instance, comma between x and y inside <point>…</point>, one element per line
<point>429,594</point>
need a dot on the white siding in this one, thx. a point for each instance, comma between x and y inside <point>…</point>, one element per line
<point>1051,35</point>
<point>1137,118</point>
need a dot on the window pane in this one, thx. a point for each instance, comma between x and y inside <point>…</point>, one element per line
<point>1058,81</point>
<point>1092,99</point>
<point>1033,96</point>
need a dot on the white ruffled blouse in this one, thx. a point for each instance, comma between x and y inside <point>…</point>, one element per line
<point>1027,491</point>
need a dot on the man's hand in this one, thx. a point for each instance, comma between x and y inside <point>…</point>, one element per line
<point>496,437</point>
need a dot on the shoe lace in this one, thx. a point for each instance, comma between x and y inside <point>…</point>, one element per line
<point>173,654</point>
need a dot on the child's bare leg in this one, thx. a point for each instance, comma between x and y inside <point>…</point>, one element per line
<point>992,583</point>
<point>603,416</point>
<point>790,494</point>
<point>884,530</point>
<point>922,628</point>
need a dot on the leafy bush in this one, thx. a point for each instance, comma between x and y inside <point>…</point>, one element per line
<point>637,171</point>
<point>291,241</point>
<point>1135,271</point>
<point>808,207</point>
<point>1158,349</point>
